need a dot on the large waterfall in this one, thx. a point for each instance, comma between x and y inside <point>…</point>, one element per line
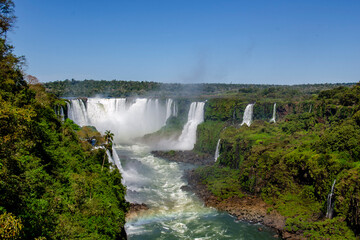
<point>273,119</point>
<point>248,114</point>
<point>126,119</point>
<point>129,120</point>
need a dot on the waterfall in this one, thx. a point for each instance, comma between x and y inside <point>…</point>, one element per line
<point>310,109</point>
<point>110,158</point>
<point>78,112</point>
<point>169,103</point>
<point>171,109</point>
<point>248,113</point>
<point>174,110</point>
<point>187,138</point>
<point>217,151</point>
<point>59,111</point>
<point>274,114</point>
<point>330,202</point>
<point>115,160</point>
<point>126,119</point>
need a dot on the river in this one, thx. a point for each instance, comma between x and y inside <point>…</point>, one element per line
<point>173,212</point>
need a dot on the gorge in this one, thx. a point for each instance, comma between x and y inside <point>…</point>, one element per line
<point>173,213</point>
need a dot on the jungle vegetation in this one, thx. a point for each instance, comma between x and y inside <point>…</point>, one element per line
<point>51,181</point>
<point>291,164</point>
<point>121,88</point>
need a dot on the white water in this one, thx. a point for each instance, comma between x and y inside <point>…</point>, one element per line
<point>330,202</point>
<point>78,113</point>
<point>187,138</point>
<point>60,112</point>
<point>248,114</point>
<point>273,119</point>
<point>173,213</point>
<point>127,120</point>
<point>217,151</point>
<point>169,103</point>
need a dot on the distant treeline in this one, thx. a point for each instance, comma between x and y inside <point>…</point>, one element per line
<point>120,88</point>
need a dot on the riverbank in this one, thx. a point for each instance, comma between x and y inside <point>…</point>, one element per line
<point>186,157</point>
<point>248,208</point>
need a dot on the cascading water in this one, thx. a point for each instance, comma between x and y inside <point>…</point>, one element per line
<point>248,113</point>
<point>115,160</point>
<point>330,202</point>
<point>173,212</point>
<point>310,109</point>
<point>78,113</point>
<point>274,114</point>
<point>187,138</point>
<point>59,111</point>
<point>217,151</point>
<point>62,114</point>
<point>174,110</point>
<point>127,120</point>
<point>169,103</point>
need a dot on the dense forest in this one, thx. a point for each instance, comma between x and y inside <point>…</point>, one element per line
<point>291,163</point>
<point>53,183</point>
<point>116,88</point>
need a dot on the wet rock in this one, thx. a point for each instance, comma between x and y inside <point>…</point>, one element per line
<point>186,188</point>
<point>135,210</point>
<point>186,157</point>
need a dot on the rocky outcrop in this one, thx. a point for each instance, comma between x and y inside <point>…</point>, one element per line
<point>186,157</point>
<point>248,208</point>
<point>135,210</point>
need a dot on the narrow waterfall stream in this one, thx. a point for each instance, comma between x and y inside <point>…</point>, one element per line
<point>273,119</point>
<point>217,150</point>
<point>330,202</point>
<point>248,114</point>
<point>173,212</point>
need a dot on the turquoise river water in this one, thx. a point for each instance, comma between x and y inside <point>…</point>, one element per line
<point>174,213</point>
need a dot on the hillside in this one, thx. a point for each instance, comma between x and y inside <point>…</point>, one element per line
<point>293,163</point>
<point>52,184</point>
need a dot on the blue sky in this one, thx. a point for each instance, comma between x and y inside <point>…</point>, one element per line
<point>253,41</point>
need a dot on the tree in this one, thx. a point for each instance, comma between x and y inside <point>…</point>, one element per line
<point>11,77</point>
<point>7,17</point>
<point>109,137</point>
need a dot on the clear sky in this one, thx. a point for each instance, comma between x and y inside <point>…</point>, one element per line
<point>188,41</point>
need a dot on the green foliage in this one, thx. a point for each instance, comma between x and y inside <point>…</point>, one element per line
<point>292,164</point>
<point>88,88</point>
<point>208,134</point>
<point>51,183</point>
<point>348,197</point>
<point>222,182</point>
<point>10,226</point>
<point>335,228</point>
<point>244,92</point>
